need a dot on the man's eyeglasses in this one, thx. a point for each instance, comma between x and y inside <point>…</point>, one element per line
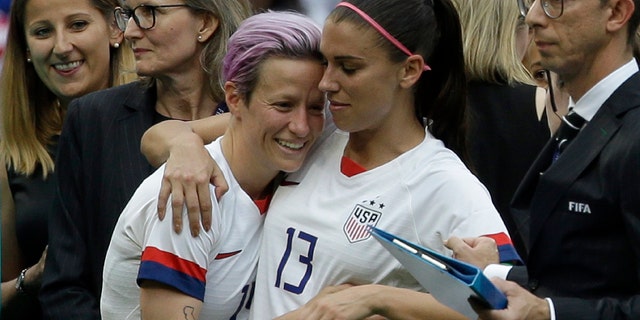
<point>552,8</point>
<point>144,15</point>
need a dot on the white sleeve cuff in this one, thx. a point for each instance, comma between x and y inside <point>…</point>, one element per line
<point>497,270</point>
<point>552,310</point>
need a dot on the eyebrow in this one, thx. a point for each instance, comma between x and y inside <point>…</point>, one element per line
<point>347,58</point>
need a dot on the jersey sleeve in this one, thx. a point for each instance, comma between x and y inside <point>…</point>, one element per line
<point>178,260</point>
<point>467,207</point>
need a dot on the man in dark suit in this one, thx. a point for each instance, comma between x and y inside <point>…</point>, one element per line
<point>580,214</point>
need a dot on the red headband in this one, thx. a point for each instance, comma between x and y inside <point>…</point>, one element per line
<point>380,29</point>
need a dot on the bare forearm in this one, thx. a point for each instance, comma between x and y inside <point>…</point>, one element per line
<point>406,304</point>
<point>8,291</point>
<point>30,285</point>
<point>158,141</point>
<point>158,302</point>
<point>371,301</point>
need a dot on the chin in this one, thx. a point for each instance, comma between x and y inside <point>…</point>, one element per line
<point>290,166</point>
<point>70,94</point>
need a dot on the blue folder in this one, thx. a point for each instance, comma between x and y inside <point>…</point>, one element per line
<point>450,281</point>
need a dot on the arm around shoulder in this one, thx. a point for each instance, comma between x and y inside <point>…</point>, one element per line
<point>158,141</point>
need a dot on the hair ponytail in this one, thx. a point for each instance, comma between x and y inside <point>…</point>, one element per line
<point>442,93</point>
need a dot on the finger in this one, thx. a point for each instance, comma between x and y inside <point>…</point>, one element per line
<point>482,240</point>
<point>163,198</point>
<point>204,195</point>
<point>193,208</point>
<point>334,289</point>
<point>501,284</point>
<point>217,179</point>
<point>455,244</point>
<point>177,202</point>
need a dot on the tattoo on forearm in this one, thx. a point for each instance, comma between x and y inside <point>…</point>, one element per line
<point>188,313</point>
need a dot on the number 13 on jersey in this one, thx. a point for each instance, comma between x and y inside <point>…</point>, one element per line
<point>306,259</point>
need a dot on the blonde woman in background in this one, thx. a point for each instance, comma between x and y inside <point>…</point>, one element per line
<point>552,99</point>
<point>56,51</point>
<point>505,133</point>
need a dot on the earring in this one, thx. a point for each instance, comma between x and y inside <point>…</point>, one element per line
<point>116,45</point>
<point>200,38</point>
<point>29,60</point>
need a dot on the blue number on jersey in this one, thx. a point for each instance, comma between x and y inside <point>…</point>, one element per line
<point>304,259</point>
<point>247,295</point>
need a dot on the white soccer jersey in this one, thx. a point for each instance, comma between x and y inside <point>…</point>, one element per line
<point>217,267</point>
<point>315,233</point>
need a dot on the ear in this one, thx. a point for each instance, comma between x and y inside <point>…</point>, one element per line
<point>115,34</point>
<point>411,71</point>
<point>208,28</point>
<point>234,101</point>
<point>621,12</point>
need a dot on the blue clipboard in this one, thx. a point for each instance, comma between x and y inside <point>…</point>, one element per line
<point>450,281</point>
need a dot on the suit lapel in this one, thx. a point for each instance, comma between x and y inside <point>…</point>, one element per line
<point>554,183</point>
<point>521,201</point>
<point>131,125</point>
<point>539,193</point>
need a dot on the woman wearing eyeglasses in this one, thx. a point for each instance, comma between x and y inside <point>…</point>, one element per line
<point>178,48</point>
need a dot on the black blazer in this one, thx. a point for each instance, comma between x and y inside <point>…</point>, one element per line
<point>99,166</point>
<point>581,216</point>
<point>505,136</point>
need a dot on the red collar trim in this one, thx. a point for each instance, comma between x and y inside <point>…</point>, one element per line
<point>263,204</point>
<point>350,168</point>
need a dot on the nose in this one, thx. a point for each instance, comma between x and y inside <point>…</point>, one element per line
<point>535,16</point>
<point>132,31</point>
<point>299,122</point>
<point>62,45</point>
<point>327,83</point>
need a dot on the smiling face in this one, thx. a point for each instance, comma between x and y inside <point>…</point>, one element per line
<point>68,43</point>
<point>285,114</point>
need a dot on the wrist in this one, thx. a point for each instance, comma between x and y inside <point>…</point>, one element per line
<point>20,282</point>
<point>545,309</point>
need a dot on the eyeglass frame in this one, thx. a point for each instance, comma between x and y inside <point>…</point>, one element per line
<point>545,4</point>
<point>130,13</point>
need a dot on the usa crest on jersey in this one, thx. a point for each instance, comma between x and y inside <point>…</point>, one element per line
<point>365,214</point>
